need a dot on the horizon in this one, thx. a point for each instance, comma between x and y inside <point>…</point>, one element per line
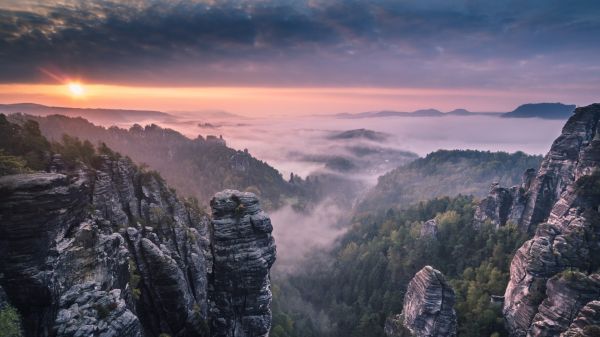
<point>292,58</point>
<point>228,113</point>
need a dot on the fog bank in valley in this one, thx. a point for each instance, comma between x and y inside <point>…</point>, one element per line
<point>303,146</point>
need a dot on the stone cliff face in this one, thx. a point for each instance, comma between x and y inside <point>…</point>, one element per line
<point>244,251</point>
<point>110,251</point>
<point>531,203</point>
<point>501,206</point>
<point>428,309</point>
<point>553,285</point>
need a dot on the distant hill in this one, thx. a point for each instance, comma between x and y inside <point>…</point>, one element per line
<point>196,167</point>
<point>209,114</point>
<point>531,110</point>
<point>360,134</point>
<point>101,116</point>
<point>542,110</point>
<point>447,173</point>
<point>417,113</point>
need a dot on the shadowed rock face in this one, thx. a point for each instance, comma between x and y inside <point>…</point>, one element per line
<point>108,252</point>
<point>501,206</point>
<point>543,297</point>
<point>587,322</point>
<point>243,251</point>
<point>428,307</point>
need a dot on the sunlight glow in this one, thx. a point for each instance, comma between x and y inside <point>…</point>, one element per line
<point>76,89</point>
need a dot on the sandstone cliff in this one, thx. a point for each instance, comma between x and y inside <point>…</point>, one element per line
<point>112,251</point>
<point>244,251</point>
<point>428,309</point>
<point>553,282</point>
<point>530,203</point>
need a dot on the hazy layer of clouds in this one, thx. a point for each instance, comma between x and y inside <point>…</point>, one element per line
<point>298,233</point>
<point>429,43</point>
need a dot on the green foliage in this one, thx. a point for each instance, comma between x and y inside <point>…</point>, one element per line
<point>12,164</point>
<point>134,280</point>
<point>380,254</point>
<point>22,144</point>
<point>198,167</point>
<point>444,172</point>
<point>10,322</point>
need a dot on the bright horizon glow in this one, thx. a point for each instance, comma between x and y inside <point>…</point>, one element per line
<point>283,101</point>
<point>76,89</point>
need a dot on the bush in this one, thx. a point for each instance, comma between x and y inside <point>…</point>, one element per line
<point>10,322</point>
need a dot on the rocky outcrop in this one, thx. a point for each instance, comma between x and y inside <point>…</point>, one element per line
<point>587,322</point>
<point>97,313</point>
<point>428,309</point>
<point>36,211</point>
<point>429,229</point>
<point>243,251</point>
<point>572,154</point>
<point>394,327</point>
<point>504,205</point>
<point>540,300</point>
<point>531,203</point>
<point>112,251</point>
<point>567,293</point>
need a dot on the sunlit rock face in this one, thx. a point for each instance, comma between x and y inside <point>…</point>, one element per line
<point>428,309</point>
<point>107,252</point>
<point>553,284</point>
<point>243,252</point>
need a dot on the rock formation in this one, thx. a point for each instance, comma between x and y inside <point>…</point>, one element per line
<point>553,282</point>
<point>531,203</point>
<point>244,251</point>
<point>428,309</point>
<point>429,229</point>
<point>112,251</point>
<point>504,205</point>
<point>587,322</point>
<point>394,327</point>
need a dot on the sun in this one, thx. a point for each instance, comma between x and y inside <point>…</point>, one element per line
<point>76,89</point>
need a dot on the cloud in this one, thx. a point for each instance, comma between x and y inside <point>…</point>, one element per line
<point>327,42</point>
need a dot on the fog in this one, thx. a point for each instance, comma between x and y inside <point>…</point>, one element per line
<point>274,139</point>
<point>303,145</point>
<point>299,234</point>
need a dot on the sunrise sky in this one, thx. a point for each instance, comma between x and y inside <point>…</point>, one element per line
<point>294,57</point>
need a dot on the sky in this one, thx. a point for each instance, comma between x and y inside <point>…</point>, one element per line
<point>294,57</point>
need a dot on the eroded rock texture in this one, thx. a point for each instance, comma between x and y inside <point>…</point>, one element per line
<point>505,205</point>
<point>587,322</point>
<point>552,276</point>
<point>428,309</point>
<point>243,251</point>
<point>104,252</point>
<point>429,229</point>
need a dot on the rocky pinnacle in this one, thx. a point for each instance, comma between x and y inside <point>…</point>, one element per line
<point>243,252</point>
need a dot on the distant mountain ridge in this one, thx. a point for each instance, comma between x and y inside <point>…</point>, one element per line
<point>530,110</point>
<point>97,115</point>
<point>542,110</point>
<point>107,116</point>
